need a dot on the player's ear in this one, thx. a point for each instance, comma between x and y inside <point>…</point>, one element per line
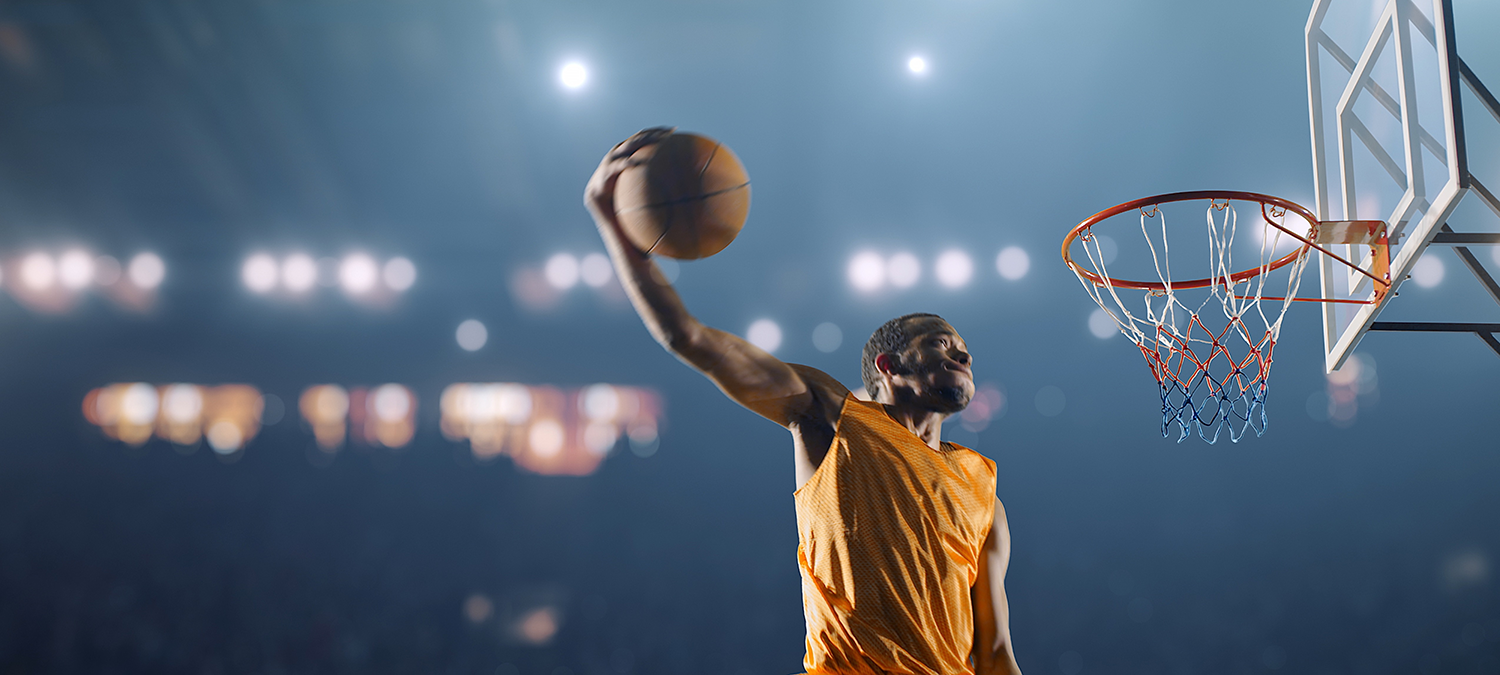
<point>886,363</point>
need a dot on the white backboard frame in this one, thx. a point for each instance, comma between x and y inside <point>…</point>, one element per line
<point>1425,57</point>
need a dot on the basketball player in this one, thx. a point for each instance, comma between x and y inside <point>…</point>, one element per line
<point>902,545</point>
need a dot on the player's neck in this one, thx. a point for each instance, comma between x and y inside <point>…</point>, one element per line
<point>926,424</point>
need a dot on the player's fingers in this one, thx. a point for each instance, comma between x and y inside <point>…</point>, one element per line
<point>640,140</point>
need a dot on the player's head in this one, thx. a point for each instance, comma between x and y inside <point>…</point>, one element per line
<point>918,359</point>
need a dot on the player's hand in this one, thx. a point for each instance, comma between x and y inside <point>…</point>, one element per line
<point>599,195</point>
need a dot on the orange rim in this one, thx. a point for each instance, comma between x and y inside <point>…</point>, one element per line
<point>1084,230</point>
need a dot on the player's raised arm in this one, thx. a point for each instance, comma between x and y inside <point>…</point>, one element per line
<point>748,374</point>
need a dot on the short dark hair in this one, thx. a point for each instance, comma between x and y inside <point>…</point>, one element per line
<point>890,338</point>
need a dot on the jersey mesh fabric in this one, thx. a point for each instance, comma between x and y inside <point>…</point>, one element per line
<point>889,538</point>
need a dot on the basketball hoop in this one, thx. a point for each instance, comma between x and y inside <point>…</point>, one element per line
<point>1213,373</point>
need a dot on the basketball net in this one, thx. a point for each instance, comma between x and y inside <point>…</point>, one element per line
<point>1208,345</point>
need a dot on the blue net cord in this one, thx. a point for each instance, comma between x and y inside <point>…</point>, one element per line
<point>1204,389</point>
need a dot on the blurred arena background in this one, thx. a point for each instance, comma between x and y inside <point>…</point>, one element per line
<point>313,362</point>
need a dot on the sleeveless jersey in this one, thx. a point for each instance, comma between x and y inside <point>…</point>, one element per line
<point>889,537</point>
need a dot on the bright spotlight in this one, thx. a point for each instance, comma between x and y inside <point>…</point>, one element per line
<point>399,274</point>
<point>472,335</point>
<point>1013,263</point>
<point>1428,272</point>
<point>562,271</point>
<point>765,334</point>
<point>358,273</point>
<point>954,268</point>
<point>866,271</point>
<point>573,75</point>
<point>595,270</point>
<point>38,272</point>
<point>917,65</point>
<point>147,271</point>
<point>903,270</point>
<point>75,269</point>
<point>259,273</point>
<point>299,272</point>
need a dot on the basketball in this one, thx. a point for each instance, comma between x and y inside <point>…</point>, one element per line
<point>687,199</point>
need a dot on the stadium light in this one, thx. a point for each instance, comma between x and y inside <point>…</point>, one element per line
<point>764,333</point>
<point>299,272</point>
<point>75,269</point>
<point>38,272</point>
<point>573,75</point>
<point>259,273</point>
<point>399,274</point>
<point>358,273</point>
<point>562,271</point>
<point>866,271</point>
<point>472,335</point>
<point>903,270</point>
<point>954,268</point>
<point>147,271</point>
<point>1013,262</point>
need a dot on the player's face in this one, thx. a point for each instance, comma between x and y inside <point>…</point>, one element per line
<point>938,367</point>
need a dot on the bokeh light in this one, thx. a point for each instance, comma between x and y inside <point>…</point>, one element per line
<point>325,407</point>
<point>1102,325</point>
<point>573,75</point>
<point>1050,401</point>
<point>866,271</point>
<point>1013,263</point>
<point>827,337</point>
<point>385,416</point>
<point>546,438</point>
<point>987,405</point>
<point>147,271</point>
<point>38,272</point>
<point>903,270</point>
<point>1428,271</point>
<point>106,270</point>
<point>399,274</point>
<point>764,333</point>
<point>299,272</point>
<point>478,608</point>
<point>225,438</point>
<point>561,271</point>
<point>259,273</point>
<point>472,335</point>
<point>358,273</point>
<point>596,270</point>
<point>954,268</point>
<point>228,415</point>
<point>1108,249</point>
<point>546,430</point>
<point>75,269</point>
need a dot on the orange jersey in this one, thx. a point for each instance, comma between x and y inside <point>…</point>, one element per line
<point>889,539</point>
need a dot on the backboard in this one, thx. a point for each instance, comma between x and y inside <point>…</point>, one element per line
<point>1386,95</point>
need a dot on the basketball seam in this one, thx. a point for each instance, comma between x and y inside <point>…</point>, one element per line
<point>685,200</point>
